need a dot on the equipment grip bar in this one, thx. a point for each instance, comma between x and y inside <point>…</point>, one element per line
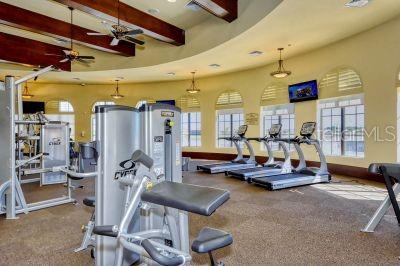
<point>106,230</point>
<point>140,157</point>
<point>159,258</point>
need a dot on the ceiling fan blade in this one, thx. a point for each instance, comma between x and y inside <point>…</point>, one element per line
<point>64,60</point>
<point>89,57</point>
<point>67,52</point>
<point>96,34</point>
<point>107,26</point>
<point>114,42</point>
<point>83,62</point>
<point>134,32</point>
<point>133,40</point>
<point>54,55</point>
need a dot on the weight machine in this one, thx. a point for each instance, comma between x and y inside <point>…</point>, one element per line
<point>53,151</point>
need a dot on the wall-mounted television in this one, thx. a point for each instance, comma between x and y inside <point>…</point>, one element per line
<point>304,91</point>
<point>32,107</point>
<point>170,102</point>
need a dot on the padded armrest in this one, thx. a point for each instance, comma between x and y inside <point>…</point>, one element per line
<point>186,197</point>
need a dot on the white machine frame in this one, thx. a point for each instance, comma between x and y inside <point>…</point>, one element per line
<point>12,199</point>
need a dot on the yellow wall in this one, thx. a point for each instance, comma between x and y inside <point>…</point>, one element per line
<point>373,54</point>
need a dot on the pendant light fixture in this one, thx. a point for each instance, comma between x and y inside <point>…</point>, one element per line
<point>116,94</point>
<point>193,89</point>
<point>25,92</point>
<point>281,72</point>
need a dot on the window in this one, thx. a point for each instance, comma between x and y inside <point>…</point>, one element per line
<point>61,110</point>
<point>93,118</point>
<point>278,114</point>
<point>229,116</point>
<point>68,118</point>
<point>342,126</point>
<point>190,121</point>
<point>191,129</point>
<point>228,122</point>
<point>65,107</point>
<point>340,82</point>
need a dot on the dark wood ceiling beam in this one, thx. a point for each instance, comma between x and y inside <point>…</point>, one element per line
<point>27,20</point>
<point>130,17</point>
<point>225,9</point>
<point>21,50</point>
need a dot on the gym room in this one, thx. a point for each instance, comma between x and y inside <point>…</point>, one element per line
<point>199,132</point>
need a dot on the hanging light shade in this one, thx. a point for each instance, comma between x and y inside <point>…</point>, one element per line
<point>281,72</point>
<point>116,94</point>
<point>25,93</point>
<point>193,89</point>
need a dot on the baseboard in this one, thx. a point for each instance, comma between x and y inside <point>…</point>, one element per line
<point>338,169</point>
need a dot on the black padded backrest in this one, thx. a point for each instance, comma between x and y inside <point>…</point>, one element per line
<point>375,168</point>
<point>187,197</point>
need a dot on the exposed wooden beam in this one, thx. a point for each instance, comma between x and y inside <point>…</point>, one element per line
<point>225,9</point>
<point>20,50</point>
<point>24,19</point>
<point>130,17</point>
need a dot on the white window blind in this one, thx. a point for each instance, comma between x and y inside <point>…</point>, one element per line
<point>274,91</point>
<point>229,99</point>
<point>188,103</point>
<point>341,79</point>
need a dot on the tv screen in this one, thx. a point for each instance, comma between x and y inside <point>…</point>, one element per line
<point>170,102</point>
<point>32,107</point>
<point>304,91</point>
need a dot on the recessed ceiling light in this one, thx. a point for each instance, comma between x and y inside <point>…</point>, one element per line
<point>256,53</point>
<point>171,74</point>
<point>215,65</point>
<point>60,41</point>
<point>357,3</point>
<point>153,11</point>
<point>171,1</point>
<point>76,78</point>
<point>83,84</point>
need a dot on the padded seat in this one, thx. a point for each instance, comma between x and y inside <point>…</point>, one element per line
<point>89,201</point>
<point>186,197</point>
<point>210,239</point>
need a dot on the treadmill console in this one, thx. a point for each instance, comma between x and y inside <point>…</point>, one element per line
<point>307,129</point>
<point>241,130</point>
<point>275,130</point>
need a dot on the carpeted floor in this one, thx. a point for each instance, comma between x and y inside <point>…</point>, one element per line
<point>311,225</point>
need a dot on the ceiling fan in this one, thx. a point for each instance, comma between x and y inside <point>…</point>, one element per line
<point>71,54</point>
<point>120,33</point>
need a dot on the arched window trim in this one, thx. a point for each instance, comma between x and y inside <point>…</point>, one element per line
<point>230,102</point>
<point>184,104</point>
<point>58,108</point>
<point>340,89</point>
<point>102,102</point>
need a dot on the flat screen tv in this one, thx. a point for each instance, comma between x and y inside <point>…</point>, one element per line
<point>304,91</point>
<point>170,102</point>
<point>32,107</point>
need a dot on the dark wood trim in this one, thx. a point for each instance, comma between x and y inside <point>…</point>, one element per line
<point>225,9</point>
<point>338,169</point>
<point>27,20</point>
<point>26,51</point>
<point>131,17</point>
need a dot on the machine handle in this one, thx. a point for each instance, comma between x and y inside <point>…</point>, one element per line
<point>106,230</point>
<point>46,154</point>
<point>159,258</point>
<point>140,157</point>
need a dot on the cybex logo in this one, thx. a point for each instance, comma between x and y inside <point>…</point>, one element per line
<point>127,168</point>
<point>55,141</point>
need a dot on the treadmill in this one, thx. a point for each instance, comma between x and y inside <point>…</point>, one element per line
<point>239,162</point>
<point>302,175</point>
<point>271,167</point>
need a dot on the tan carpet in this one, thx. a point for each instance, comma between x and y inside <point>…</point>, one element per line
<point>305,226</point>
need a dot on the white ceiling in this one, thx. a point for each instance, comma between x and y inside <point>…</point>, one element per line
<point>305,24</point>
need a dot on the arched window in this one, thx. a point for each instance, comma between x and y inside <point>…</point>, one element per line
<point>61,110</point>
<point>144,101</point>
<point>190,121</point>
<point>341,113</point>
<point>339,82</point>
<point>274,92</point>
<point>229,112</point>
<point>93,117</point>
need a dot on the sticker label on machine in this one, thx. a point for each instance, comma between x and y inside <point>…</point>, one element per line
<point>158,154</point>
<point>167,114</point>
